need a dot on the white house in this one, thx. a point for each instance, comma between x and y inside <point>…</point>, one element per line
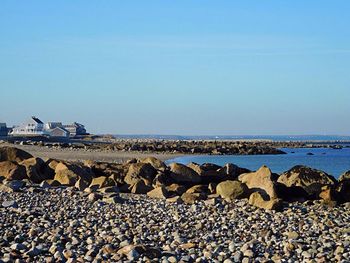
<point>33,126</point>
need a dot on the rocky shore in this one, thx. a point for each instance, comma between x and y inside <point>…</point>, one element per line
<point>143,210</point>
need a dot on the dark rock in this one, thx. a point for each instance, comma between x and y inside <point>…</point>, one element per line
<point>184,175</point>
<point>13,154</point>
<point>12,170</point>
<point>140,171</point>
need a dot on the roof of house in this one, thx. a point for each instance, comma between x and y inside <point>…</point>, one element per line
<point>60,128</point>
<point>37,120</point>
<point>52,124</point>
<point>74,124</point>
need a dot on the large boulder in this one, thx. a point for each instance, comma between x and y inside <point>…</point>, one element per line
<point>140,171</point>
<point>102,181</point>
<point>263,181</point>
<point>212,173</point>
<point>343,189</point>
<point>344,176</point>
<point>68,174</point>
<point>8,153</point>
<point>156,163</point>
<point>159,192</point>
<point>140,187</point>
<point>258,200</point>
<point>329,195</point>
<point>233,171</point>
<point>12,170</point>
<point>176,189</point>
<point>311,180</point>
<point>232,190</point>
<point>191,198</point>
<point>200,188</point>
<point>182,174</point>
<point>37,170</point>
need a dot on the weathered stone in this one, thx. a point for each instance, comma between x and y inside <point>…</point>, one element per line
<point>10,203</point>
<point>232,190</point>
<point>176,189</point>
<point>13,154</point>
<point>140,171</point>
<point>263,180</point>
<point>344,176</point>
<point>140,188</point>
<point>156,163</point>
<point>141,250</point>
<point>329,195</point>
<point>159,192</point>
<point>258,200</point>
<point>183,175</point>
<point>198,189</point>
<point>49,183</point>
<point>36,170</point>
<point>102,181</point>
<point>69,174</point>
<point>343,189</point>
<point>12,170</point>
<point>94,197</point>
<point>305,177</point>
<point>81,184</point>
<point>188,198</point>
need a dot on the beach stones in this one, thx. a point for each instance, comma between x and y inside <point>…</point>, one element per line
<point>10,203</point>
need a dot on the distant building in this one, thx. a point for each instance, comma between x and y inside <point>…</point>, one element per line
<point>3,129</point>
<point>52,125</point>
<point>75,129</point>
<point>59,132</point>
<point>33,126</point>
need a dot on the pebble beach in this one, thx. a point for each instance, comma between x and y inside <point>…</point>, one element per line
<point>62,225</point>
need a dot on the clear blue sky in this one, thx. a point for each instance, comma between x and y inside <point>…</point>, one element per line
<point>178,67</point>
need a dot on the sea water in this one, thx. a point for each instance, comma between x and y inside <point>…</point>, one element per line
<point>332,161</point>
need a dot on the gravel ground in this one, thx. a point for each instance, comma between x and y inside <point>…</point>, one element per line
<point>83,154</point>
<point>56,224</point>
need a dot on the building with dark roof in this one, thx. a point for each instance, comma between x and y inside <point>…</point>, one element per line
<point>3,129</point>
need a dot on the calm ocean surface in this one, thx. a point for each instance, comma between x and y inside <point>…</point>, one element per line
<point>332,161</point>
